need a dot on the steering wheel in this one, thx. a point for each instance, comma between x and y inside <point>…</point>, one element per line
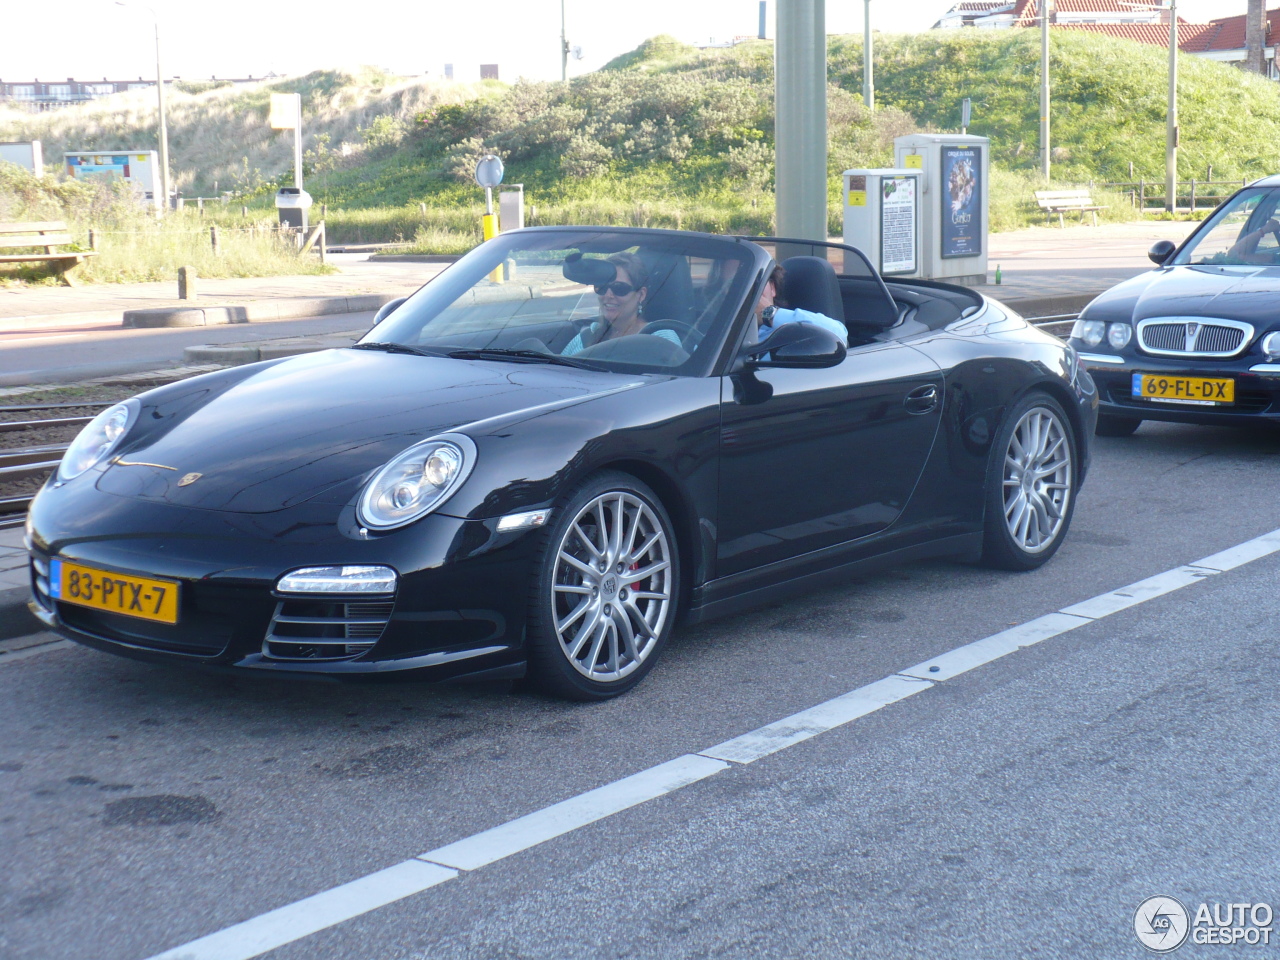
<point>685,331</point>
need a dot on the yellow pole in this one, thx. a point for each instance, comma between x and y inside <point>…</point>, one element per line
<point>489,224</point>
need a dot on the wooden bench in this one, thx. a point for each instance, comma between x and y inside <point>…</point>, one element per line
<point>49,235</point>
<point>1060,201</point>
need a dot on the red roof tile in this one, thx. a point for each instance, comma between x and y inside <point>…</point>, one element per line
<point>1192,37</point>
<point>1231,31</point>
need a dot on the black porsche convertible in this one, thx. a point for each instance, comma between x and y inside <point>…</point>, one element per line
<point>1196,340</point>
<point>493,484</point>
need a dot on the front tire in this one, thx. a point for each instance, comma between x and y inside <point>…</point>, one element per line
<point>1031,485</point>
<point>605,591</point>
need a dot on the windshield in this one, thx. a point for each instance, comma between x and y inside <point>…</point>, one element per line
<point>630,301</point>
<point>1243,231</point>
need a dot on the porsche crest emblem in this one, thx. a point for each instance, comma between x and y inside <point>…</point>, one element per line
<point>189,479</point>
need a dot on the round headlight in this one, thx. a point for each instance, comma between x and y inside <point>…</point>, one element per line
<point>416,482</point>
<point>1119,335</point>
<point>1271,345</point>
<point>1089,332</point>
<point>97,439</point>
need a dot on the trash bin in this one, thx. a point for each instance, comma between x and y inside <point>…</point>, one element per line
<point>292,204</point>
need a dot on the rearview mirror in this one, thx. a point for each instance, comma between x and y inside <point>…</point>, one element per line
<point>386,310</point>
<point>1161,251</point>
<point>797,345</point>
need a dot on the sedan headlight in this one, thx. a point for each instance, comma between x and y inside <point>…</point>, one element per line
<point>1271,345</point>
<point>1089,332</point>
<point>1119,335</point>
<point>97,439</point>
<point>417,481</point>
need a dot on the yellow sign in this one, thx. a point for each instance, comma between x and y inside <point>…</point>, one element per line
<point>285,110</point>
<point>141,158</point>
<point>914,161</point>
<point>131,596</point>
<point>857,198</point>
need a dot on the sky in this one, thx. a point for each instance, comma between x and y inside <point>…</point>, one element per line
<point>92,39</point>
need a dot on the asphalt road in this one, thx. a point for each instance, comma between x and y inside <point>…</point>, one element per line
<point>65,355</point>
<point>1022,809</point>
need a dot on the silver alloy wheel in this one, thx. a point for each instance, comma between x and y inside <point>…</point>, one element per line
<point>612,586</point>
<point>1037,480</point>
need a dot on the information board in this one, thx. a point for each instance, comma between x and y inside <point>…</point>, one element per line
<point>898,221</point>
<point>961,202</point>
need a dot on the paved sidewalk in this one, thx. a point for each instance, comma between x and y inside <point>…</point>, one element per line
<point>25,308</point>
<point>15,619</point>
<point>1038,264</point>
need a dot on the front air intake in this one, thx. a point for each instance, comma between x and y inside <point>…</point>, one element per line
<point>306,629</point>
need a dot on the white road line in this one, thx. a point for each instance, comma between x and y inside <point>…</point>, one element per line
<point>568,815</point>
<point>305,917</point>
<point>297,920</point>
<point>809,723</point>
<point>971,655</point>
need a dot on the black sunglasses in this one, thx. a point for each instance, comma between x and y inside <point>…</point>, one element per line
<point>618,288</point>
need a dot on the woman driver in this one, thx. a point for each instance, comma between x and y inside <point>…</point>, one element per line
<point>620,303</point>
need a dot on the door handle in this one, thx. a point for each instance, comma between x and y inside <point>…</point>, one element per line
<point>921,399</point>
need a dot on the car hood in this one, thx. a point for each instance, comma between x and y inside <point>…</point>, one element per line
<point>298,428</point>
<point>1233,293</point>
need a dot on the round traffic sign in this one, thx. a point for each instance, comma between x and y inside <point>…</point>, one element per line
<point>489,171</point>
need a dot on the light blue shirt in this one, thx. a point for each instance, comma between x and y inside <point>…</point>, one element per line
<point>577,346</point>
<point>787,315</point>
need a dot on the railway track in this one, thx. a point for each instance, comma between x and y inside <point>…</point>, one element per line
<point>23,469</point>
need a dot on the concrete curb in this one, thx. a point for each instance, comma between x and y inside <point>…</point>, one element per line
<point>1052,306</point>
<point>295,308</point>
<point>417,257</point>
<point>238,353</point>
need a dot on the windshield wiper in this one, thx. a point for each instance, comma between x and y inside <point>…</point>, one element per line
<point>388,347</point>
<point>523,356</point>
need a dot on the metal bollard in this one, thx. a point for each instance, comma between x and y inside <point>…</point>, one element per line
<point>186,283</point>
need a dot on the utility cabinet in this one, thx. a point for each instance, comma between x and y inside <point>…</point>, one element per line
<point>882,218</point>
<point>954,194</point>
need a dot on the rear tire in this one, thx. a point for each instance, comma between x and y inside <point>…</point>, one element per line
<point>605,590</point>
<point>1031,485</point>
<point>1112,426</point>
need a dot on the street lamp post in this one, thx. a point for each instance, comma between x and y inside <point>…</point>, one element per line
<point>1044,89</point>
<point>800,108</point>
<point>164,128</point>
<point>1171,122</point>
<point>564,48</point>
<point>868,68</point>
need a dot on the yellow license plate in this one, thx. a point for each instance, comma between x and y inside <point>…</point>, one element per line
<point>1197,390</point>
<point>121,593</point>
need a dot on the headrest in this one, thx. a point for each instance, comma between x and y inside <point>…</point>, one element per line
<point>594,271</point>
<point>809,283</point>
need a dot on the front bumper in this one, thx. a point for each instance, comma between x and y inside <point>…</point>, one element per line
<point>1257,388</point>
<point>458,610</point>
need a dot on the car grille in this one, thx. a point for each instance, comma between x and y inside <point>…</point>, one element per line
<point>1194,337</point>
<point>197,634</point>
<point>324,629</point>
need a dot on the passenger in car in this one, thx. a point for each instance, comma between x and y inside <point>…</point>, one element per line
<point>769,314</point>
<point>620,303</point>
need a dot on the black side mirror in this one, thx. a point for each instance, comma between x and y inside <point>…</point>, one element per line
<point>386,310</point>
<point>797,345</point>
<point>1161,251</point>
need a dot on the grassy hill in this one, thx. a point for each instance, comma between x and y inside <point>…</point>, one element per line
<point>669,135</point>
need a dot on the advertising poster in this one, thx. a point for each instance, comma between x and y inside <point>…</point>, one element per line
<point>961,202</point>
<point>898,225</point>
